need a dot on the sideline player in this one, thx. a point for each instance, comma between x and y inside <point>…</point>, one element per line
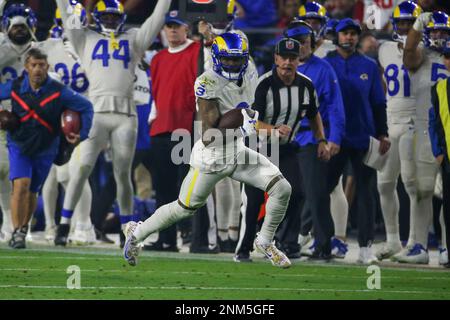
<point>425,67</point>
<point>401,114</point>
<point>109,55</point>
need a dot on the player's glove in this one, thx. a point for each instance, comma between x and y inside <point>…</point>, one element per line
<point>422,21</point>
<point>249,123</point>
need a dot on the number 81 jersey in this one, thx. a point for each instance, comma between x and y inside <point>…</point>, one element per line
<point>401,103</point>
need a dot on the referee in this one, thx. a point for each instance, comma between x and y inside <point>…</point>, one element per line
<point>283,96</point>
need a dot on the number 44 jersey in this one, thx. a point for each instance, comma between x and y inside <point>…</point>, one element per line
<point>401,103</point>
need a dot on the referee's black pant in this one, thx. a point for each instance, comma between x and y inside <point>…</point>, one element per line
<point>289,229</point>
<point>365,182</point>
<point>317,197</point>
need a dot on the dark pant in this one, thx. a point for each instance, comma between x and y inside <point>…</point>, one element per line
<point>102,203</point>
<point>167,178</point>
<point>365,183</point>
<point>317,197</point>
<point>446,199</point>
<point>288,231</point>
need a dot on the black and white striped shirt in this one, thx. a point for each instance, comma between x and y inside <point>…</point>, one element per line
<point>280,104</point>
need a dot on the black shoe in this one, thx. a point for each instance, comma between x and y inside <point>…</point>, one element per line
<point>318,255</point>
<point>204,249</point>
<point>447,265</point>
<point>158,246</point>
<point>242,257</point>
<point>18,239</point>
<point>101,236</point>
<point>186,236</point>
<point>122,239</point>
<point>62,232</point>
<point>292,253</point>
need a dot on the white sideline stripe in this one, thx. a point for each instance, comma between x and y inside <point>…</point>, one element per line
<point>363,276</point>
<point>223,289</point>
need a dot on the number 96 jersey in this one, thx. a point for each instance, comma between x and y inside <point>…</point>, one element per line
<point>64,61</point>
<point>401,103</point>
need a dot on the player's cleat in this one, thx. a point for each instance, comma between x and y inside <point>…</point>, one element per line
<point>309,248</point>
<point>403,252</point>
<point>29,236</point>
<point>417,254</point>
<point>443,256</point>
<point>83,237</point>
<point>338,248</point>
<point>271,252</point>
<point>131,247</point>
<point>62,233</point>
<point>5,236</point>
<point>242,257</point>
<point>388,250</point>
<point>50,233</point>
<point>122,240</point>
<point>304,240</point>
<point>366,256</point>
<point>18,239</point>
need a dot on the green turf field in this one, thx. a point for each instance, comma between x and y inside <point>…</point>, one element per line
<point>41,273</point>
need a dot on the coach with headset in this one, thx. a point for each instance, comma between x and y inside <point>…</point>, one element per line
<point>365,117</point>
<point>331,108</point>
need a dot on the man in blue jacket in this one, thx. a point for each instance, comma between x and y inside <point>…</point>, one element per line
<point>365,117</point>
<point>314,172</point>
<point>38,102</point>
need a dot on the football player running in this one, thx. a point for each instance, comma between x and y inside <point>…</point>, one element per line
<point>425,67</point>
<point>109,55</point>
<point>220,90</point>
<point>401,114</point>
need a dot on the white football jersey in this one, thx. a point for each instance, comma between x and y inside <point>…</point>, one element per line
<point>110,61</point>
<point>64,61</point>
<point>431,70</point>
<point>228,94</point>
<point>401,104</point>
<point>11,59</point>
<point>324,48</point>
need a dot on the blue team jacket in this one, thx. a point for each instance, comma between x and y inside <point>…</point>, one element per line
<point>331,106</point>
<point>40,113</point>
<point>364,98</point>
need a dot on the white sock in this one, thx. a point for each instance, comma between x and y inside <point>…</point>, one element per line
<point>49,197</point>
<point>233,233</point>
<point>422,221</point>
<point>276,206</point>
<point>390,206</point>
<point>339,210</point>
<point>163,217</point>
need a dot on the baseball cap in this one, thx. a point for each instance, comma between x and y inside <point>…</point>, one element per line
<point>174,17</point>
<point>287,46</point>
<point>348,23</point>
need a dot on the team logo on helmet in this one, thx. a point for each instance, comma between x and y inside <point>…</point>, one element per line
<point>290,45</point>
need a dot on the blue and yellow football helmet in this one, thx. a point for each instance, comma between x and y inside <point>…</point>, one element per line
<point>104,7</point>
<point>439,21</point>
<point>18,13</point>
<point>234,47</point>
<point>314,10</point>
<point>406,10</point>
